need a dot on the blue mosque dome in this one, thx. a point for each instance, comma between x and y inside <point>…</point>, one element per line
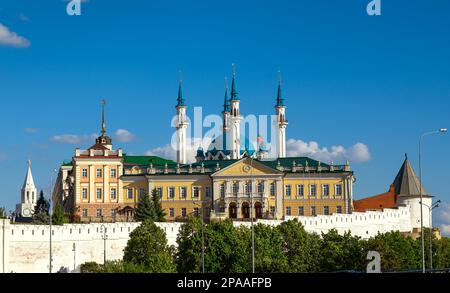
<point>218,149</point>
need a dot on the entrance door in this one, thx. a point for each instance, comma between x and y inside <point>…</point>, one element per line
<point>232,211</point>
<point>246,210</point>
<point>258,210</point>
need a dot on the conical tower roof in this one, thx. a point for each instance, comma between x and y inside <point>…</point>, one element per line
<point>407,183</point>
<point>29,182</point>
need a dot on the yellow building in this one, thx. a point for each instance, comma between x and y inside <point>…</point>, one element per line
<point>230,180</point>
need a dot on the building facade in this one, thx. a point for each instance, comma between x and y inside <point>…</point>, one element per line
<point>232,179</point>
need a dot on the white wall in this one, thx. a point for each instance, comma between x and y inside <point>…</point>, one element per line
<point>25,248</point>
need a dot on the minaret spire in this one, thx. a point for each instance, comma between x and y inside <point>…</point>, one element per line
<point>103,117</point>
<point>226,103</point>
<point>182,125</point>
<point>280,109</point>
<point>234,93</point>
<point>280,99</point>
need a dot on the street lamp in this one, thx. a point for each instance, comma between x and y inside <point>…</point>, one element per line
<point>104,237</point>
<point>430,209</point>
<point>251,217</point>
<point>203,234</point>
<point>50,212</point>
<point>442,130</point>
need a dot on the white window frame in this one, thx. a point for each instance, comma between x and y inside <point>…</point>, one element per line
<point>97,173</point>
<point>286,190</point>
<point>324,210</point>
<point>302,208</point>
<point>84,193</point>
<point>101,193</point>
<point>288,208</point>
<point>336,189</point>
<point>113,194</point>
<point>273,189</point>
<point>84,173</point>
<point>311,189</point>
<point>114,173</point>
<point>300,187</point>
<point>171,212</point>
<point>196,189</point>
<point>183,192</point>
<point>130,190</point>
<point>323,190</point>
<point>171,190</point>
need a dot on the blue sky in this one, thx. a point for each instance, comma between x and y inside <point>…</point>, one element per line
<point>349,78</point>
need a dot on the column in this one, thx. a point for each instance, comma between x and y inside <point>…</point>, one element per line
<point>279,195</point>
<point>216,195</point>
<point>92,175</point>
<point>106,191</point>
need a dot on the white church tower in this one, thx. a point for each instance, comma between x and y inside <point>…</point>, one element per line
<point>236,119</point>
<point>182,126</point>
<point>28,197</point>
<point>282,123</point>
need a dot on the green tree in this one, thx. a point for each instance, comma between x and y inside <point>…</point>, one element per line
<point>148,248</point>
<point>160,213</point>
<point>441,258</point>
<point>269,254</point>
<point>2,213</point>
<point>112,267</point>
<point>145,209</point>
<point>342,252</point>
<point>226,247</point>
<point>301,248</point>
<point>398,252</point>
<point>58,216</point>
<point>41,211</point>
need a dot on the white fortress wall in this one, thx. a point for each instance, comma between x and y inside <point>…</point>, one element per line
<point>25,248</point>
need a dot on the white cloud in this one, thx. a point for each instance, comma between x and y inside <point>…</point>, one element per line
<point>169,151</point>
<point>357,153</point>
<point>73,138</point>
<point>30,130</point>
<point>442,217</point>
<point>9,38</point>
<point>23,17</point>
<point>123,135</point>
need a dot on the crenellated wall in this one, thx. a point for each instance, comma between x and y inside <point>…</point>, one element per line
<point>25,248</point>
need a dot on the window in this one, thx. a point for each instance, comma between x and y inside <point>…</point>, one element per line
<point>207,191</point>
<point>313,211</point>
<point>300,190</point>
<point>288,190</point>
<point>171,192</point>
<point>326,190</point>
<point>84,173</point>
<point>99,193</point>
<point>99,173</point>
<point>235,188</point>
<point>313,190</point>
<point>113,193</point>
<point>85,193</point>
<point>248,187</point>
<point>99,213</point>
<point>260,187</point>
<point>183,212</point>
<point>113,213</point>
<point>142,192</point>
<point>301,211</point>
<point>222,190</point>
<point>272,189</point>
<point>160,191</point>
<point>196,211</point>
<point>113,173</point>
<point>339,209</point>
<point>288,211</point>
<point>326,210</point>
<point>130,193</point>
<point>195,192</point>
<point>171,212</point>
<point>338,189</point>
<point>183,192</point>
<point>272,211</point>
<point>84,213</point>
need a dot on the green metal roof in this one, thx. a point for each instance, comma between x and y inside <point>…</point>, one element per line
<point>146,160</point>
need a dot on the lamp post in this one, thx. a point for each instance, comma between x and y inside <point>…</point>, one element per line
<point>50,212</point>
<point>430,209</point>
<point>442,130</point>
<point>203,235</point>
<point>104,237</point>
<point>251,217</point>
<point>74,258</point>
